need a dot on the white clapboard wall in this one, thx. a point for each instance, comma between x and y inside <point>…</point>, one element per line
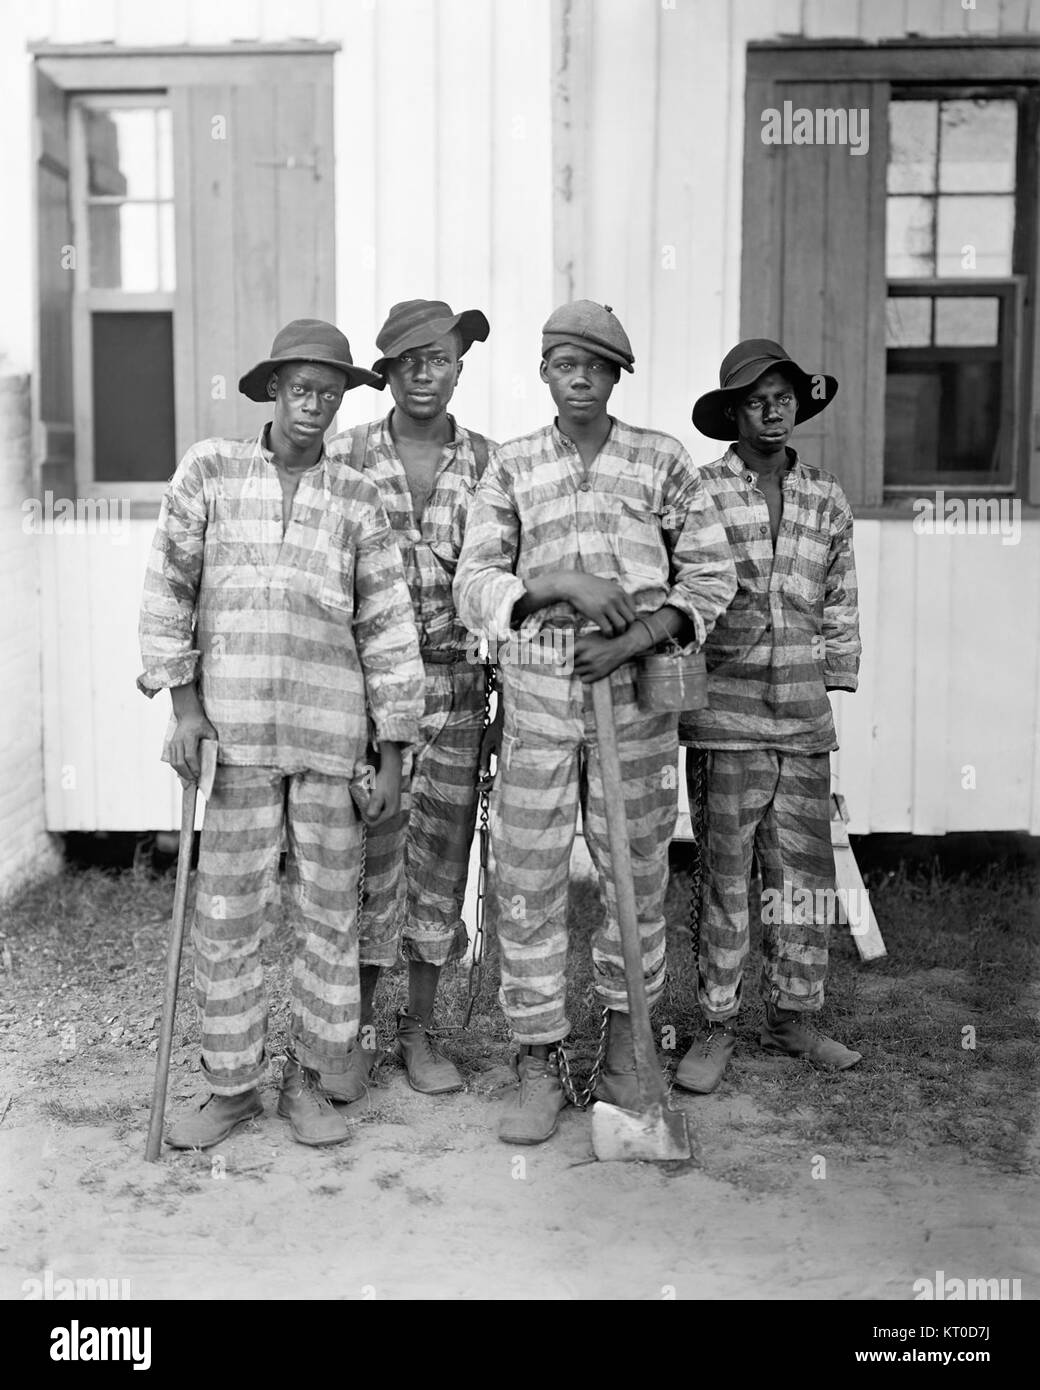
<point>939,738</point>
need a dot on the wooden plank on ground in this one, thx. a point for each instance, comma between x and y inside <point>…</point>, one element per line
<point>853,896</point>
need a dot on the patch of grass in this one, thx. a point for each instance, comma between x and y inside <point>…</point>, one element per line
<point>962,952</point>
<point>106,1112</point>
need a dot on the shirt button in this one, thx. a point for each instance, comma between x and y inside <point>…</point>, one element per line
<point>585,487</point>
<point>763,530</point>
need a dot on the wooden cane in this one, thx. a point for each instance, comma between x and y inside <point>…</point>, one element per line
<point>189,797</point>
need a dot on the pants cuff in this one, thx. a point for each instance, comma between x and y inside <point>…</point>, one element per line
<point>234,1083</point>
<point>441,950</point>
<point>324,1062</point>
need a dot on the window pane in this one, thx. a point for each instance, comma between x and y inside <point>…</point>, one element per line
<point>131,247</point>
<point>983,224</point>
<point>908,322</point>
<point>909,246</point>
<point>133,397</point>
<point>941,419</point>
<point>965,321</point>
<point>977,146</point>
<point>122,154</point>
<point>912,146</point>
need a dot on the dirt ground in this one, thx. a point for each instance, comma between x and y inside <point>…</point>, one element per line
<point>425,1202</point>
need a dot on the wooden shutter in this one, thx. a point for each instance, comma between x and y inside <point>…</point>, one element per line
<point>813,268</point>
<point>257,219</point>
<point>55,276</point>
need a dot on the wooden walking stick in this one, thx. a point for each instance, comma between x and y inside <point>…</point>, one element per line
<point>189,796</point>
<point>655,1131</point>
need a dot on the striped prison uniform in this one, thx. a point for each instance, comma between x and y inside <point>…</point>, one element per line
<point>790,635</point>
<point>639,516</point>
<point>416,864</point>
<point>287,635</point>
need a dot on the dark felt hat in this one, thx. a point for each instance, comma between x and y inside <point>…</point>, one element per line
<point>741,368</point>
<point>590,325</point>
<point>414,322</point>
<point>306,340</point>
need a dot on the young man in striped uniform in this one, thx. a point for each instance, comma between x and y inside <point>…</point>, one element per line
<point>597,533</point>
<point>790,635</point>
<point>274,610</point>
<point>426,467</point>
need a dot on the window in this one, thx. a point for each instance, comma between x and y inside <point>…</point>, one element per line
<point>953,306</point>
<point>123,220</point>
<point>186,211</point>
<point>909,269</point>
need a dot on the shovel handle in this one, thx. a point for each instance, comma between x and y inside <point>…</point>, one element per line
<point>648,1073</point>
<point>189,795</point>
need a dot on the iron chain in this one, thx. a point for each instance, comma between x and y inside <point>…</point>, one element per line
<point>484,781</point>
<point>581,1099</point>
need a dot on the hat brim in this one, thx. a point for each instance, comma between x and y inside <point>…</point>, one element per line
<point>609,354</point>
<point>254,383</point>
<point>471,325</point>
<point>709,413</point>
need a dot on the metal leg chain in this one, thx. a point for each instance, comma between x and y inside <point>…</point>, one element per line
<point>580,1099</point>
<point>484,783</point>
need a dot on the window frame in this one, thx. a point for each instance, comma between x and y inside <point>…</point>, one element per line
<point>87,301</point>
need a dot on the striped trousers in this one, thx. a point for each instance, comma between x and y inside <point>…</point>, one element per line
<point>237,882</point>
<point>416,865</point>
<point>776,806</point>
<point>549,767</point>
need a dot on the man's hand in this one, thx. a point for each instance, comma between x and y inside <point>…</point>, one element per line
<point>491,742</point>
<point>595,657</point>
<point>385,800</point>
<point>602,601</point>
<point>184,752</point>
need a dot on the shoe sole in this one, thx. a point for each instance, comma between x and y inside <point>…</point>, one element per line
<point>437,1090</point>
<point>528,1142</point>
<point>804,1057</point>
<point>696,1090</point>
<point>211,1143</point>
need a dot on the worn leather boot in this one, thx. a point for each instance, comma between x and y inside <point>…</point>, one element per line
<point>702,1068</point>
<point>530,1117</point>
<point>617,1083</point>
<point>794,1034</point>
<point>353,1081</point>
<point>313,1118</point>
<point>214,1120</point>
<point>429,1071</point>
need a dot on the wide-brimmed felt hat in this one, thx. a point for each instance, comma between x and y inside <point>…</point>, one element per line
<point>415,322</point>
<point>584,323</point>
<point>306,340</point>
<point>741,368</point>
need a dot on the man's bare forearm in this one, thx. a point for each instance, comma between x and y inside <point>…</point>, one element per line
<point>541,592</point>
<point>186,702</point>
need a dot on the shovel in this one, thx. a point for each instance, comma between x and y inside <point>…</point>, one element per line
<point>655,1132</point>
<point>189,795</point>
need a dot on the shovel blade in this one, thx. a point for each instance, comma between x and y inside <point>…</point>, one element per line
<point>656,1134</point>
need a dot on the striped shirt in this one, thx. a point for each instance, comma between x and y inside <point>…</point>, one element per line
<point>289,635</point>
<point>638,515</point>
<point>792,631</point>
<point>430,548</point>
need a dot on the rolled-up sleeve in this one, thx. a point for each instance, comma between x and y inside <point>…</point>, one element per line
<point>703,576</point>
<point>171,586</point>
<point>486,586</point>
<point>841,607</point>
<point>385,633</point>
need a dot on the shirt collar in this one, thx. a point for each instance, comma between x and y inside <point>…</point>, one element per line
<point>566,444</point>
<point>267,454</point>
<point>452,444</point>
<point>736,465</point>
